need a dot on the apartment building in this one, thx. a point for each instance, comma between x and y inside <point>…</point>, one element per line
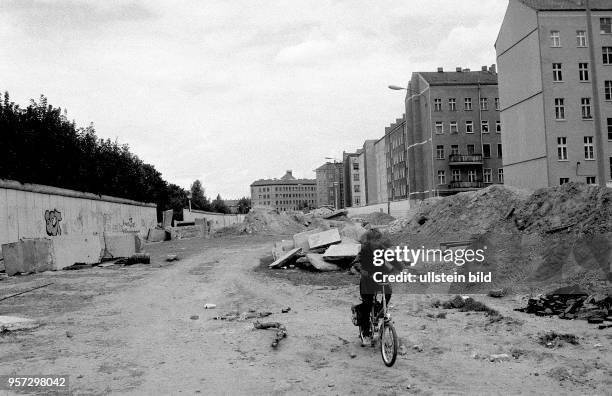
<point>353,188</point>
<point>453,132</point>
<point>286,193</point>
<point>397,182</point>
<point>380,153</point>
<point>330,184</point>
<point>555,81</point>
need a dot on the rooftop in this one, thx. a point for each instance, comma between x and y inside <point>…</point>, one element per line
<point>286,180</point>
<point>460,77</point>
<point>556,5</point>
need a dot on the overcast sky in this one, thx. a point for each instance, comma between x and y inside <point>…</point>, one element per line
<point>232,91</point>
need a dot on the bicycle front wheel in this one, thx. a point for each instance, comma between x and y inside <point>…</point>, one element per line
<point>388,344</point>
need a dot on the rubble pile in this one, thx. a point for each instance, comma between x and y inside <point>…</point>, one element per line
<point>571,303</point>
<point>375,218</point>
<point>267,221</point>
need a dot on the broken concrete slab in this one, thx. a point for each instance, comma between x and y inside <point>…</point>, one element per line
<point>301,240</point>
<point>342,251</point>
<point>285,258</point>
<point>335,213</point>
<point>14,323</point>
<point>317,261</point>
<point>119,244</point>
<point>277,250</point>
<point>324,238</point>
<point>77,248</point>
<point>157,235</point>
<point>28,255</point>
<point>167,218</point>
<point>287,244</point>
<point>353,230</point>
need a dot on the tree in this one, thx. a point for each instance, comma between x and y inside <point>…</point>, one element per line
<point>244,205</point>
<point>218,205</point>
<point>177,200</point>
<point>198,199</point>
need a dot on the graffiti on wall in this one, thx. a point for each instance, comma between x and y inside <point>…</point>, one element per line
<point>53,218</point>
<point>128,225</point>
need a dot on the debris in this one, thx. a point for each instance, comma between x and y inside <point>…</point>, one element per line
<point>335,213</point>
<point>13,323</point>
<point>402,350</point>
<point>167,218</point>
<point>106,265</point>
<point>552,339</point>
<point>157,235</point>
<point>441,315</point>
<point>417,348</point>
<point>497,293</point>
<point>324,239</point>
<point>352,231</point>
<point>317,261</point>
<point>139,258</point>
<point>194,317</point>
<point>210,306</point>
<point>281,331</point>
<point>286,310</point>
<point>353,355</point>
<point>78,266</point>
<point>502,357</point>
<point>171,257</point>
<point>69,334</point>
<point>570,302</point>
<point>23,292</point>
<point>285,258</point>
<point>342,251</point>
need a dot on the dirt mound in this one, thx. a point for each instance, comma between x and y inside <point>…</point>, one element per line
<point>576,205</point>
<point>459,216</point>
<point>267,221</point>
<point>376,218</point>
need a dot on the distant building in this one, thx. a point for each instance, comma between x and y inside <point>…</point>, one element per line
<point>556,96</point>
<point>453,134</point>
<point>380,153</point>
<point>286,193</point>
<point>232,205</point>
<point>330,184</point>
<point>353,194</point>
<point>367,173</point>
<point>395,160</point>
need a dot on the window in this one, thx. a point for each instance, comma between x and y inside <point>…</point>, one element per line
<point>470,149</point>
<point>471,175</point>
<point>563,180</point>
<point>486,150</point>
<point>557,75</point>
<point>605,25</point>
<point>500,175</point>
<point>590,180</point>
<point>453,127</point>
<point>585,105</point>
<point>559,108</point>
<point>441,177</point>
<point>355,176</point>
<point>355,165</point>
<point>581,38</point>
<point>583,71</point>
<point>357,200</point>
<point>555,38</point>
<point>562,148</point>
<point>456,175</point>
<point>588,148</point>
<point>452,104</point>
<point>497,126</point>
<point>607,55</point>
<point>484,126</point>
<point>484,104</point>
<point>497,104</point>
<point>467,104</point>
<point>437,104</point>
<point>608,89</point>
<point>357,188</point>
<point>469,127</point>
<point>439,127</point>
<point>454,149</point>
<point>440,152</point>
<point>610,160</point>
<point>499,150</point>
<point>609,128</point>
<point>487,175</point>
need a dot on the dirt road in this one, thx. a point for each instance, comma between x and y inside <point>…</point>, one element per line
<point>129,330</point>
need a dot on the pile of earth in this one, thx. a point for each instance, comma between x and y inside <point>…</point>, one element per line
<point>267,221</point>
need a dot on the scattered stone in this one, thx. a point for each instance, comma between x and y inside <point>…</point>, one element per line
<point>210,306</point>
<point>441,315</point>
<point>502,357</point>
<point>13,323</point>
<point>285,258</point>
<point>194,317</point>
<point>402,350</point>
<point>69,334</point>
<point>417,348</point>
<point>497,293</point>
<point>171,257</point>
<point>353,355</point>
<point>286,310</point>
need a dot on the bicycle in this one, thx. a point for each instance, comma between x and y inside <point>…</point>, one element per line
<point>381,327</point>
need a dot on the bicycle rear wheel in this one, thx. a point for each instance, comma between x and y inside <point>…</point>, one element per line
<point>388,344</point>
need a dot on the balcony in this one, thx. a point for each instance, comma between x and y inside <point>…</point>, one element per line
<point>461,159</point>
<point>466,184</point>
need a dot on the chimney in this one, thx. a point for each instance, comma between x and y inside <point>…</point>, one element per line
<point>458,69</point>
<point>466,70</point>
<point>290,173</point>
<point>440,69</point>
<point>493,69</point>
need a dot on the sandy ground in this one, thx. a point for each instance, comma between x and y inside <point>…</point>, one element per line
<point>128,330</point>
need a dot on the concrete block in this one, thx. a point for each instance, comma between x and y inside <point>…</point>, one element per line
<point>353,230</point>
<point>301,240</point>
<point>119,244</point>
<point>324,238</point>
<point>342,251</point>
<point>13,323</point>
<point>287,244</point>
<point>28,255</point>
<point>77,248</point>
<point>317,261</point>
<point>286,257</point>
<point>157,235</point>
<point>167,218</point>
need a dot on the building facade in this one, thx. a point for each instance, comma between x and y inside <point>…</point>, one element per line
<point>380,153</point>
<point>353,193</point>
<point>453,132</point>
<point>330,185</point>
<point>395,139</point>
<point>555,79</point>
<point>286,193</point>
